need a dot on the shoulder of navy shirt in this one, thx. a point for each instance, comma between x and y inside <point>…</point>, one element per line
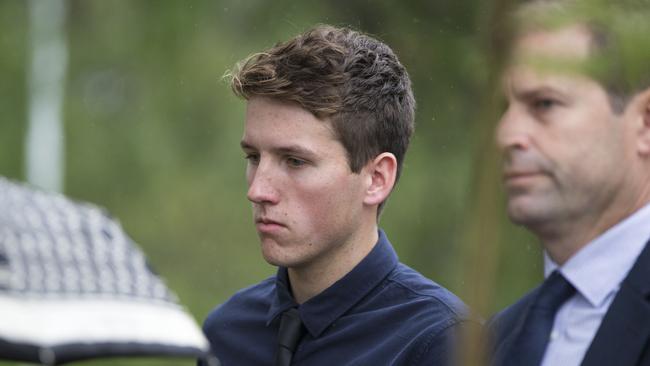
<point>381,313</point>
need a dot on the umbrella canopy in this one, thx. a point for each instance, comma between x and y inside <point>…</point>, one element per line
<point>74,286</point>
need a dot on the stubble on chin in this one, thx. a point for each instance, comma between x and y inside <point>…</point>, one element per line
<point>530,212</point>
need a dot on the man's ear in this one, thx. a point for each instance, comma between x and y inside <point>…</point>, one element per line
<point>643,135</point>
<point>382,173</point>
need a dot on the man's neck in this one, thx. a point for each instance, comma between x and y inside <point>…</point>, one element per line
<point>569,237</point>
<point>309,281</point>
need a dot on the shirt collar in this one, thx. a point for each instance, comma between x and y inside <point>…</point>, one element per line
<point>322,310</point>
<point>600,266</point>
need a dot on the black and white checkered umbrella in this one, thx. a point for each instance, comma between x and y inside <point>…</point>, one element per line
<point>74,286</point>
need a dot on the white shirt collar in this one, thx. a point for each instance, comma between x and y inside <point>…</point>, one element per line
<point>600,266</point>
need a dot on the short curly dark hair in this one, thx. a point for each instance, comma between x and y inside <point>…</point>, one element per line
<point>351,79</point>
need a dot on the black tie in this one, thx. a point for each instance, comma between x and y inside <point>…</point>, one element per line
<point>291,330</point>
<point>528,349</point>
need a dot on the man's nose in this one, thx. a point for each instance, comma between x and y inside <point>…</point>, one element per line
<point>513,130</point>
<point>262,184</point>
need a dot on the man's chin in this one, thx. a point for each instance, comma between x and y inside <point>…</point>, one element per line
<point>528,213</point>
<point>282,262</point>
<point>274,253</point>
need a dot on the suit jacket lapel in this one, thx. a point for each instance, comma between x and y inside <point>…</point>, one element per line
<point>625,330</point>
<point>507,333</point>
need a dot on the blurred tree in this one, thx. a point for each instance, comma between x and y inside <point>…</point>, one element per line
<point>48,60</point>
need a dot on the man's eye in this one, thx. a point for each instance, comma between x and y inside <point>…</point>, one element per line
<point>544,103</point>
<point>295,162</point>
<point>252,158</point>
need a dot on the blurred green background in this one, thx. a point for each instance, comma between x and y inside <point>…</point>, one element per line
<point>152,132</point>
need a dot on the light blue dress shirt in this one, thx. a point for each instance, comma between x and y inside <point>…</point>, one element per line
<point>596,271</point>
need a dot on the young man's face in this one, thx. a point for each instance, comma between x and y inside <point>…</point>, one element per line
<point>565,151</point>
<point>307,203</point>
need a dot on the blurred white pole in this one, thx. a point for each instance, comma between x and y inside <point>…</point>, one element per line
<point>46,82</point>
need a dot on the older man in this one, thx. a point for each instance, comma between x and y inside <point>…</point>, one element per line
<point>576,145</point>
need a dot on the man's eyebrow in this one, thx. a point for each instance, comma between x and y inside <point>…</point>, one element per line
<point>295,149</point>
<point>284,150</point>
<point>532,93</point>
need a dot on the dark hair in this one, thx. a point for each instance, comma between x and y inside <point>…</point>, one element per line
<point>618,29</point>
<point>351,79</point>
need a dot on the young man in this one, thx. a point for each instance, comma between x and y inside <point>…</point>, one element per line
<point>328,121</point>
<point>576,146</point>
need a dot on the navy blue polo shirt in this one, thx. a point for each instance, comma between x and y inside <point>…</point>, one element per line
<point>380,313</point>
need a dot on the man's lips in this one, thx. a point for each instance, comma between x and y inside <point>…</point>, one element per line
<point>519,173</point>
<point>265,225</point>
<point>263,220</point>
<point>517,177</point>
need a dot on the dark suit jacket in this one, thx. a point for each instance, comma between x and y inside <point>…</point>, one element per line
<point>623,338</point>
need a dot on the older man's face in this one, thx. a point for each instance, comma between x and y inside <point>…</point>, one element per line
<point>565,152</point>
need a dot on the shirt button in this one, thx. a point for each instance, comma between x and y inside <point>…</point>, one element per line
<point>554,335</point>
